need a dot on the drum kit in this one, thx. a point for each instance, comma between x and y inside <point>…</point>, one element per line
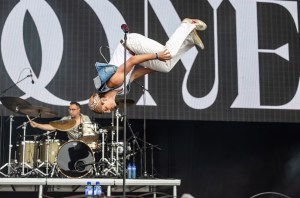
<point>98,152</point>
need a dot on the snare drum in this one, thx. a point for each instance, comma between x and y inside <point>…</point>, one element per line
<point>75,159</point>
<point>30,155</point>
<point>52,150</point>
<point>89,132</point>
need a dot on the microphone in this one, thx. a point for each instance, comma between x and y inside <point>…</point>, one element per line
<point>124,27</point>
<point>32,81</point>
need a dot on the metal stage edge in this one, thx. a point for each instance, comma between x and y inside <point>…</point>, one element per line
<point>67,184</point>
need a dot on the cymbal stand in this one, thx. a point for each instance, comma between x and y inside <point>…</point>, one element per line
<point>9,167</point>
<point>23,151</point>
<point>9,164</point>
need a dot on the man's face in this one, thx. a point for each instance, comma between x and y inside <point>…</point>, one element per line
<point>108,104</point>
<point>73,110</point>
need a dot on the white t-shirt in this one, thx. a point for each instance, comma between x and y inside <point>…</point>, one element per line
<point>118,59</point>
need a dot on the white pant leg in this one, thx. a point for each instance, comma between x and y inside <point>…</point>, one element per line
<point>179,43</point>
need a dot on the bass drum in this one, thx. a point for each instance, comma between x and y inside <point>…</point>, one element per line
<point>75,159</point>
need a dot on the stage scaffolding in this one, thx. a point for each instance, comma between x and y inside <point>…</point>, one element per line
<point>110,186</point>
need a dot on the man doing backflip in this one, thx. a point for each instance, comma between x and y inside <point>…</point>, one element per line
<point>149,54</point>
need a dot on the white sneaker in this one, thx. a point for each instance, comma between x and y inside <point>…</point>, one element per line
<point>196,39</point>
<point>200,25</point>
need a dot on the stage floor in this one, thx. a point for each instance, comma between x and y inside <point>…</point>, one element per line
<point>110,186</point>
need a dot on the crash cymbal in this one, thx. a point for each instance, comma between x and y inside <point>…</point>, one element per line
<point>38,111</point>
<point>120,102</point>
<point>111,128</point>
<point>63,125</point>
<point>14,103</point>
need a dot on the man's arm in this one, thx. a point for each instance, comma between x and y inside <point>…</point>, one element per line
<point>140,72</point>
<point>118,78</point>
<point>46,127</point>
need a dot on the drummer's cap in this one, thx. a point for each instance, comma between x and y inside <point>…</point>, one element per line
<point>95,103</point>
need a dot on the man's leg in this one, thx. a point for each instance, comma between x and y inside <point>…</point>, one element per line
<point>178,44</point>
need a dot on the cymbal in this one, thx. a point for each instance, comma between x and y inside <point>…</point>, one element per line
<point>120,102</point>
<point>63,125</point>
<point>111,128</point>
<point>38,111</point>
<point>14,103</point>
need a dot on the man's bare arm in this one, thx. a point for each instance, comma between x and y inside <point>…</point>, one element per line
<point>140,72</point>
<point>46,127</point>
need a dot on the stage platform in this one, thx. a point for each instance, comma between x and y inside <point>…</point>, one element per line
<point>110,186</point>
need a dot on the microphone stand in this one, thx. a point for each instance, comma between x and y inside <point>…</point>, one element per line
<point>5,90</point>
<point>145,175</point>
<point>152,159</point>
<point>124,116</point>
<point>134,142</point>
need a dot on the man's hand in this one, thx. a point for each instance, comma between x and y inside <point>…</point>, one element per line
<point>164,55</point>
<point>33,124</point>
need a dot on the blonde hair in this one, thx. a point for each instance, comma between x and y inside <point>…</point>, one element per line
<point>95,103</point>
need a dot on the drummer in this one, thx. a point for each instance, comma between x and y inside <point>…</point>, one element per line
<point>74,113</point>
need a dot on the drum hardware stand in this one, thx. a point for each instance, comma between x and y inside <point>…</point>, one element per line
<point>112,147</point>
<point>47,154</point>
<point>118,115</point>
<point>35,170</point>
<point>9,164</point>
<point>115,145</point>
<point>53,170</point>
<point>110,165</point>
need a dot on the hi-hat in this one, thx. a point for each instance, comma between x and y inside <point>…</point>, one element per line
<point>63,125</point>
<point>38,111</point>
<point>111,128</point>
<point>14,103</point>
<point>120,103</point>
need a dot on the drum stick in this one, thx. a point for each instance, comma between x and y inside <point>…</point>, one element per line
<point>28,118</point>
<point>26,122</point>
